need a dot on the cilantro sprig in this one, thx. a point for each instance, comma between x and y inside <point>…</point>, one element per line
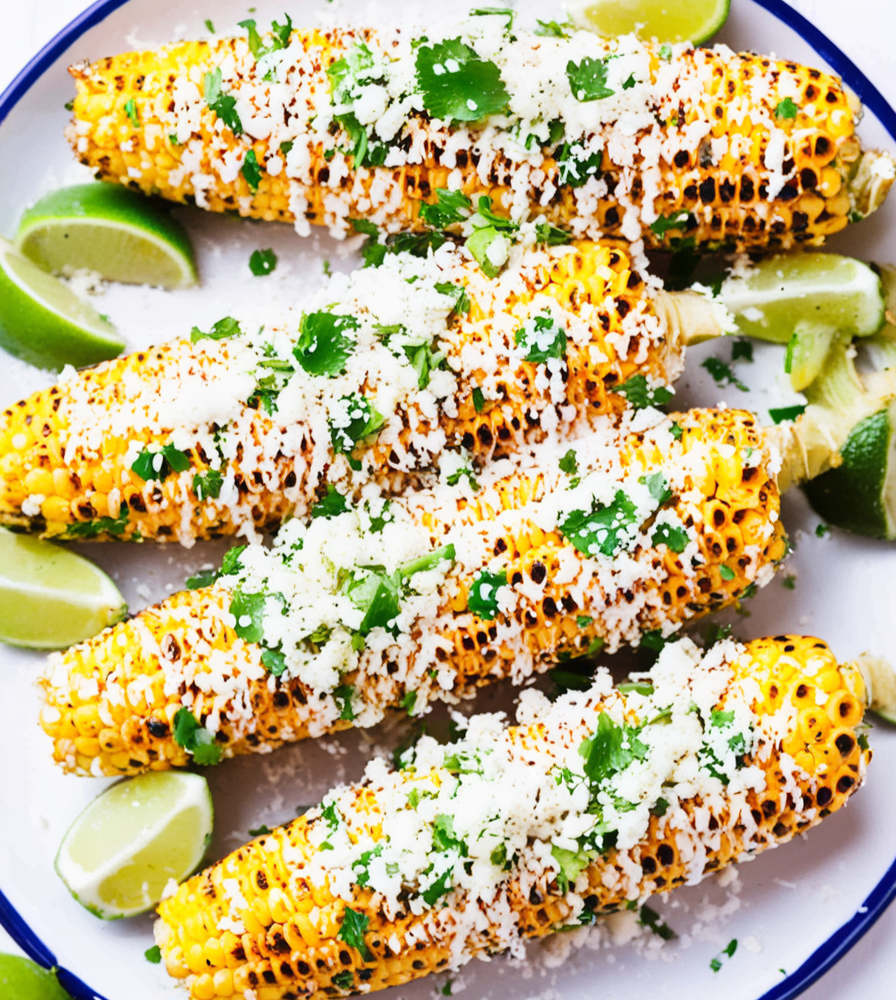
<point>588,79</point>
<point>640,393</point>
<point>604,529</point>
<point>161,463</point>
<point>325,343</point>
<point>457,84</point>
<point>354,926</point>
<point>483,597</point>
<point>195,739</point>
<point>542,338</point>
<point>223,104</point>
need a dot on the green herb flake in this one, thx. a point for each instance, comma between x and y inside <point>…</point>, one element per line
<point>457,85</point>
<point>195,739</point>
<point>130,109</point>
<point>575,166</point>
<point>222,330</point>
<point>727,952</point>
<point>676,431</point>
<point>343,696</point>
<point>542,338</point>
<point>789,582</point>
<point>359,421</point>
<point>630,82</point>
<point>483,597</point>
<point>354,925</point>
<point>344,980</point>
<point>496,12</point>
<point>260,831</point>
<point>223,105</point>
<point>408,701</point>
<point>69,105</point>
<point>782,413</point>
<point>248,610</point>
<point>822,529</point>
<point>324,343</point>
<point>158,465</point>
<point>640,394</point>
<point>446,989</point>
<point>483,245</point>
<point>569,463</point>
<point>331,505</point>
<point>588,79</point>
<point>658,486</point>
<point>207,485</point>
<point>463,472</point>
<point>262,262</point>
<point>741,350</point>
<point>153,954</point>
<point>678,220</point>
<point>638,687</point>
<point>610,750</point>
<point>458,293</point>
<point>478,399</point>
<point>665,52</point>
<point>209,26</point>
<point>554,29</point>
<point>676,539</point>
<point>251,170</point>
<point>603,530</point>
<point>722,373</point>
<point>274,662</point>
<point>651,919</point>
<point>787,109</point>
<point>451,207</point>
<point>726,572</point>
<point>204,578</point>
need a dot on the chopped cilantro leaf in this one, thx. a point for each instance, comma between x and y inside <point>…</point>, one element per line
<point>224,328</point>
<point>195,739</point>
<point>630,82</point>
<point>575,166</point>
<point>359,421</point>
<point>569,463</point>
<point>223,105</point>
<point>583,621</point>
<point>344,980</point>
<point>251,170</point>
<point>363,152</point>
<point>446,989</point>
<point>483,597</point>
<point>458,474</point>
<point>722,373</point>
<point>571,864</point>
<point>458,293</point>
<point>728,951</point>
<point>787,108</point>
<point>637,391</point>
<point>260,831</point>
<point>352,932</point>
<point>574,675</point>
<point>457,84</point>
<point>69,105</point>
<point>347,73</point>
<point>204,578</point>
<point>675,538</point>
<point>379,521</point>
<point>451,207</point>
<point>665,52</point>
<point>343,696</point>
<point>424,360</point>
<point>324,343</point>
<point>332,505</point>
<point>726,572</point>
<point>658,485</point>
<point>274,662</point>
<point>782,413</point>
<point>158,465</point>
<point>610,750</point>
<point>478,399</point>
<point>207,485</point>
<point>678,220</point>
<point>541,337</point>
<point>497,12</point>
<point>153,954</point>
<point>130,109</point>
<point>554,29</point>
<point>248,610</point>
<point>651,919</point>
<point>230,564</point>
<point>430,561</point>
<point>789,582</point>
<point>439,888</point>
<point>676,431</point>
<point>262,262</point>
<point>551,236</point>
<point>741,350</point>
<point>209,26</point>
<point>588,79</point>
<point>408,701</point>
<point>490,249</point>
<point>378,595</point>
<point>822,529</point>
<point>635,688</point>
<point>603,529</point>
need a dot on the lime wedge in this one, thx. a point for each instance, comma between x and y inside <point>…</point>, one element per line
<point>880,679</point>
<point>122,851</point>
<point>120,234</point>
<point>788,291</point>
<point>860,494</point>
<point>22,979</point>
<point>51,598</point>
<point>667,20</point>
<point>43,322</point>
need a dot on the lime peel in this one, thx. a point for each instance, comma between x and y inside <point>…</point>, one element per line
<point>695,21</point>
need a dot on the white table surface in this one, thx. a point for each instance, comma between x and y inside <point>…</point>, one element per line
<point>865,30</point>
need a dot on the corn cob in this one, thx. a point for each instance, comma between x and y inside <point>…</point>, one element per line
<point>723,148</point>
<point>310,909</point>
<point>78,459</point>
<point>629,531</point>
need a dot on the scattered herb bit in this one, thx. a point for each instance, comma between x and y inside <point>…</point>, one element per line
<point>822,529</point>
<point>498,12</point>
<point>782,413</point>
<point>352,932</point>
<point>195,739</point>
<point>251,170</point>
<point>207,485</point>
<point>286,147</point>
<point>678,220</point>
<point>640,394</point>
<point>490,249</point>
<point>278,39</point>
<point>248,610</point>
<point>69,105</point>
<point>483,597</point>
<point>263,262</point>
<point>728,951</point>
<point>446,989</point>
<point>741,350</point>
<point>541,337</point>
<point>569,463</point>
<point>458,293</point>
<point>204,578</point>
<point>223,105</point>
<point>324,343</point>
<point>458,474</point>
<point>588,79</point>
<point>554,29</point>
<point>651,919</point>
<point>260,831</point>
<point>665,52</point>
<point>274,662</point>
<point>571,865</point>
<point>726,572</point>
<point>224,328</point>
<point>457,84</point>
<point>344,980</point>
<point>551,236</point>
<point>153,954</point>
<point>716,633</point>
<point>675,538</point>
<point>158,465</point>
<point>630,82</point>
<point>408,702</point>
<point>130,109</point>
<point>363,152</point>
<point>209,26</point>
<point>658,486</point>
<point>576,166</point>
<point>359,421</point>
<point>789,582</point>
<point>478,399</point>
<point>575,675</point>
<point>661,807</point>
<point>343,696</point>
<point>332,505</point>
<point>787,109</point>
<point>603,529</point>
<point>450,207</point>
<point>722,373</point>
<point>583,621</point>
<point>675,431</point>
<point>439,888</point>
<point>610,750</point>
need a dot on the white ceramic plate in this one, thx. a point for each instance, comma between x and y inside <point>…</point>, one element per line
<point>793,912</point>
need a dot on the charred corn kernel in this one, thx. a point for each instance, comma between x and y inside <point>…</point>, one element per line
<point>381,939</point>
<point>529,595</point>
<point>486,396</point>
<point>741,159</point>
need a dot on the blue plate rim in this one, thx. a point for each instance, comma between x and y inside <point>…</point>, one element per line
<point>846,936</point>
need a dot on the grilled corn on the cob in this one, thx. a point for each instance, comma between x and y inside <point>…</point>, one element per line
<point>425,597</point>
<point>229,432</point>
<point>613,137</point>
<point>589,805</point>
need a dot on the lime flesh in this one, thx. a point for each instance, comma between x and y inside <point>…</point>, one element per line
<point>789,291</point>
<point>120,234</point>
<point>860,494</point>
<point>43,322</point>
<point>51,598</point>
<point>122,851</point>
<point>22,979</point>
<point>667,20</point>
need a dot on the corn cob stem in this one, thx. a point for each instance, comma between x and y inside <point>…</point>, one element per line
<point>790,172</point>
<point>309,909</point>
<point>529,567</point>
